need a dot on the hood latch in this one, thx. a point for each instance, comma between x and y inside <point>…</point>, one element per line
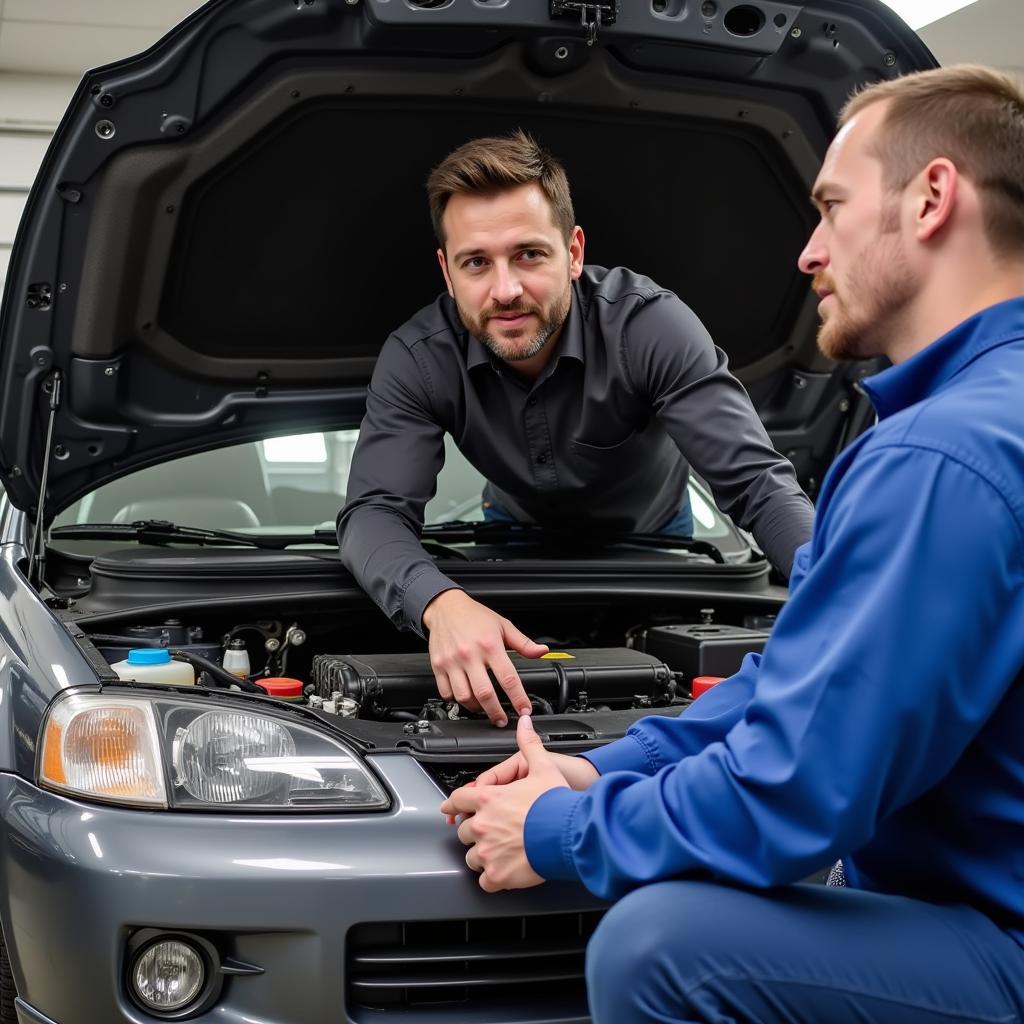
<point>593,14</point>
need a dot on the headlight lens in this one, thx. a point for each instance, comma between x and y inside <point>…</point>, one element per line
<point>103,747</point>
<point>217,756</point>
<point>115,749</point>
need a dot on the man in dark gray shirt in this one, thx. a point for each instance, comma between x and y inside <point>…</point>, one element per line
<point>581,394</point>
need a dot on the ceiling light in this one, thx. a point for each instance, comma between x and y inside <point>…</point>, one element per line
<point>917,13</point>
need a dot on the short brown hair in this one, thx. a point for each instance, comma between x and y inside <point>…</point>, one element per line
<point>969,114</point>
<point>484,166</point>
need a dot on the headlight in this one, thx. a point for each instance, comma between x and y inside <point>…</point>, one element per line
<point>103,747</point>
<point>218,757</point>
<point>157,752</point>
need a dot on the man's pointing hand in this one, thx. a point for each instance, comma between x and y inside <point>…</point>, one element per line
<point>466,639</point>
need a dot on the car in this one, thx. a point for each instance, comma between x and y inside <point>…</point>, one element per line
<point>220,765</point>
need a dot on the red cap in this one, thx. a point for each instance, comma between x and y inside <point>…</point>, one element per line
<point>701,684</point>
<point>281,686</point>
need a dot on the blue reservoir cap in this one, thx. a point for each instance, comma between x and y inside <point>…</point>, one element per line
<point>149,656</point>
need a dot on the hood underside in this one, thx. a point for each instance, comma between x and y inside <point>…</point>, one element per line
<point>227,227</point>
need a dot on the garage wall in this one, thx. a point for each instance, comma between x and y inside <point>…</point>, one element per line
<point>20,155</point>
<point>30,108</point>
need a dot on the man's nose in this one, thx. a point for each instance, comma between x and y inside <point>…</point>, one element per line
<point>505,287</point>
<point>814,258</point>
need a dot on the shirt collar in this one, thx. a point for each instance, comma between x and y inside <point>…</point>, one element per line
<point>477,354</point>
<point>570,344</point>
<point>909,382</point>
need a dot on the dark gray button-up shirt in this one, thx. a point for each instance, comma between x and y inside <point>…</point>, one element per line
<point>635,393</point>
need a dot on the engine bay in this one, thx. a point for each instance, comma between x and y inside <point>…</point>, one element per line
<point>654,666</point>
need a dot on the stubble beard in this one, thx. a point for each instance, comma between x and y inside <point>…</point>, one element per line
<point>885,286</point>
<point>509,348</point>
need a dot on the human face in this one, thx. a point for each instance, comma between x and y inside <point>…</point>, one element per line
<point>857,254</point>
<point>510,271</point>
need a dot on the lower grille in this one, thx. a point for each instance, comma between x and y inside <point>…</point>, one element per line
<point>490,969</point>
<point>449,774</point>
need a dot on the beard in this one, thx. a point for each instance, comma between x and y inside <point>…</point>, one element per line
<point>513,346</point>
<point>880,288</point>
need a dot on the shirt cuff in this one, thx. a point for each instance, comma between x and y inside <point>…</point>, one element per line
<point>423,589</point>
<point>546,834</point>
<point>624,755</point>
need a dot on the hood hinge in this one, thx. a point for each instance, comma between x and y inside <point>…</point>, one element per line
<point>37,557</point>
<point>593,14</point>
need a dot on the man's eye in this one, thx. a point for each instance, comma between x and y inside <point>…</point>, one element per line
<point>828,204</point>
<point>474,263</point>
<point>532,254</point>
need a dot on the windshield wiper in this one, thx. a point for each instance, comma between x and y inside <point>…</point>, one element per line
<point>460,530</point>
<point>161,531</point>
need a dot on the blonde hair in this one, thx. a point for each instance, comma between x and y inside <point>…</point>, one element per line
<point>973,116</point>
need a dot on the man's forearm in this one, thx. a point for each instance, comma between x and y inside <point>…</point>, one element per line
<point>780,525</point>
<point>383,553</point>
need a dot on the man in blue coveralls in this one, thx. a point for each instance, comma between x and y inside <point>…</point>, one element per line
<point>884,723</point>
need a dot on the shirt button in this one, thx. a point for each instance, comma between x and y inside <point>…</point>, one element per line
<point>542,459</point>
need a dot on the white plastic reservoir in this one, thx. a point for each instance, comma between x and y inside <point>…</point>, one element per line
<point>155,665</point>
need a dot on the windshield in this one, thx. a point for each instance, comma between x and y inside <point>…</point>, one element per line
<point>297,483</point>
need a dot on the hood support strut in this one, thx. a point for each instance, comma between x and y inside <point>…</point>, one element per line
<point>37,554</point>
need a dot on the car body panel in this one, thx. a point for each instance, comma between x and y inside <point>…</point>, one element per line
<point>80,876</point>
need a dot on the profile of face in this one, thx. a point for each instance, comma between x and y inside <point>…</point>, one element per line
<point>508,268</point>
<point>858,254</point>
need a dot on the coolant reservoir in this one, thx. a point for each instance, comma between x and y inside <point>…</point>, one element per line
<point>155,665</point>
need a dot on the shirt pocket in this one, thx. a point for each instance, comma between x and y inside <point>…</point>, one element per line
<point>604,452</point>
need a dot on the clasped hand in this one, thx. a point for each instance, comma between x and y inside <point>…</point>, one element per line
<point>491,811</point>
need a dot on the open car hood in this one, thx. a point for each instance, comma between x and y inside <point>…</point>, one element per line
<point>226,227</point>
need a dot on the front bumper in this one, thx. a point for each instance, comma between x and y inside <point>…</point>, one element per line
<point>278,892</point>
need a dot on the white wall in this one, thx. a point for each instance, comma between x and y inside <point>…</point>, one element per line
<point>30,108</point>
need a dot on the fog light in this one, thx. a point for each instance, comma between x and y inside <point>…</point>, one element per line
<point>168,975</point>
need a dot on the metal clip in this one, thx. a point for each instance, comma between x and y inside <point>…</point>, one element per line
<point>590,27</point>
<point>593,14</point>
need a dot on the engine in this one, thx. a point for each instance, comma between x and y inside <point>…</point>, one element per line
<point>655,667</point>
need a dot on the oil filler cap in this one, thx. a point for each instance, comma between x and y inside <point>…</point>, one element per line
<point>701,684</point>
<point>281,687</point>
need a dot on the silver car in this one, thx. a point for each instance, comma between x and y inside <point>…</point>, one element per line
<point>223,233</point>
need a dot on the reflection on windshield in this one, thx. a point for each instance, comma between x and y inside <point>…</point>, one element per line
<point>290,484</point>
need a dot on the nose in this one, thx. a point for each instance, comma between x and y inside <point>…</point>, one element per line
<point>814,258</point>
<point>505,285</point>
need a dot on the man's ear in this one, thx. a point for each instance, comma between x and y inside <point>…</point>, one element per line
<point>938,191</point>
<point>577,243</point>
<point>444,270</point>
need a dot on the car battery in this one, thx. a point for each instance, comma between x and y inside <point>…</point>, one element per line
<point>703,649</point>
<point>613,676</point>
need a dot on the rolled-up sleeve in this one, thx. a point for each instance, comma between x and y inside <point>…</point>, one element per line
<point>394,474</point>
